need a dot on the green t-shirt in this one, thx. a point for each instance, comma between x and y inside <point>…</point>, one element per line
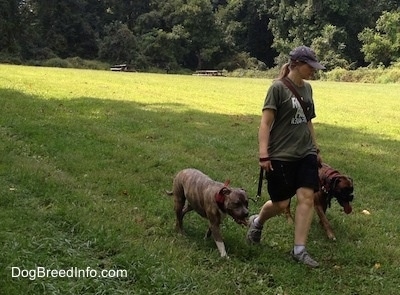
<point>290,138</point>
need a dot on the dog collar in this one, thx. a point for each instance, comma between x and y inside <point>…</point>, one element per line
<point>329,175</point>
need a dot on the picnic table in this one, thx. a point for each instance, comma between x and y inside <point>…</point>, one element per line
<point>119,68</point>
<point>209,73</point>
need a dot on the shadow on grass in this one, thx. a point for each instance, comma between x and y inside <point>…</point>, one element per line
<point>164,138</point>
<point>118,157</point>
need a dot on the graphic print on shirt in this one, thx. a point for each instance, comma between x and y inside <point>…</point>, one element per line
<point>299,117</point>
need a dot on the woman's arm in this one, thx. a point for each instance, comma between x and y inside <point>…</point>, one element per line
<point>314,140</point>
<point>267,119</point>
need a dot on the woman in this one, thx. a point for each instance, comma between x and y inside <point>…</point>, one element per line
<point>288,150</point>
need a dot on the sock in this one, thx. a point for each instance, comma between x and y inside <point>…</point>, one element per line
<point>298,248</point>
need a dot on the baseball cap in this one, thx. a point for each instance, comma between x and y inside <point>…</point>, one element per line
<point>307,55</point>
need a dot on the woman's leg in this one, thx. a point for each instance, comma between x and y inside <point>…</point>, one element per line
<point>271,209</point>
<point>303,218</point>
<point>256,222</point>
<point>304,215</point>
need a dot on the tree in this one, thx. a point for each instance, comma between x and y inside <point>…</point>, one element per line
<point>382,45</point>
<point>9,18</point>
<point>59,28</point>
<point>118,44</point>
<point>302,22</point>
<point>292,23</point>
<point>245,27</point>
<point>126,12</point>
<point>329,47</point>
<point>197,33</point>
<point>204,35</point>
<point>162,49</point>
<point>79,34</point>
<point>162,39</point>
<point>187,28</point>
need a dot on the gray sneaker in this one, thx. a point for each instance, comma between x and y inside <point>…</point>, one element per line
<point>305,258</point>
<point>254,232</point>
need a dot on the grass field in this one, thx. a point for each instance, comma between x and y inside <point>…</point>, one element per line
<point>85,158</point>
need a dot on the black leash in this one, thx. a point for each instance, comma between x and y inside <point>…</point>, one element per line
<point>260,182</point>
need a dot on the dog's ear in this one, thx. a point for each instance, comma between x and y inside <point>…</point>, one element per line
<point>225,191</point>
<point>335,182</point>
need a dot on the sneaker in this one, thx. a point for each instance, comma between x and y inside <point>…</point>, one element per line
<point>305,258</point>
<point>254,232</point>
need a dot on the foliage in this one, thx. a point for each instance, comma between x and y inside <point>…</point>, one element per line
<point>118,44</point>
<point>292,24</point>
<point>364,75</point>
<point>334,22</point>
<point>382,45</point>
<point>8,28</point>
<point>57,63</point>
<point>8,58</point>
<point>329,47</point>
<point>200,24</point>
<point>243,61</point>
<point>79,63</point>
<point>65,28</point>
<point>193,34</point>
<point>245,27</point>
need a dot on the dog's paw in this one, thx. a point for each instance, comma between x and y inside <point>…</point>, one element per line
<point>225,256</point>
<point>331,237</point>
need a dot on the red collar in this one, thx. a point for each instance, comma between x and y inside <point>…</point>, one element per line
<point>326,180</point>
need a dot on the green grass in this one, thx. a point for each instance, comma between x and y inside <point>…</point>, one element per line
<point>85,157</point>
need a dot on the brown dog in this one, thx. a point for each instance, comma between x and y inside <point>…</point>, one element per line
<point>333,184</point>
<point>194,190</point>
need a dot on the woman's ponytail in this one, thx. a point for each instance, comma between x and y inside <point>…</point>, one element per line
<point>284,71</point>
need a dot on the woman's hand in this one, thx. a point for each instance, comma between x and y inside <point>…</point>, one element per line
<point>266,164</point>
<point>319,159</point>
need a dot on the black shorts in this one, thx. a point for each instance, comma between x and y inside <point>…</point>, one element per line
<point>287,177</point>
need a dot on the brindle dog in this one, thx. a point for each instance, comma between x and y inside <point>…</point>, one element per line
<point>333,184</point>
<point>193,190</point>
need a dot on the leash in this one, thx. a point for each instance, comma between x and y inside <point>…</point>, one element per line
<point>289,85</point>
<point>260,182</point>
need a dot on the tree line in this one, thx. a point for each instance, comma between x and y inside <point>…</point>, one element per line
<point>198,34</point>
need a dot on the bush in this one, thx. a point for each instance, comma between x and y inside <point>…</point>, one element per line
<point>390,76</point>
<point>242,60</point>
<point>57,63</point>
<point>9,59</point>
<point>364,75</point>
<point>72,62</point>
<point>267,74</point>
<point>79,63</point>
<point>43,54</point>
